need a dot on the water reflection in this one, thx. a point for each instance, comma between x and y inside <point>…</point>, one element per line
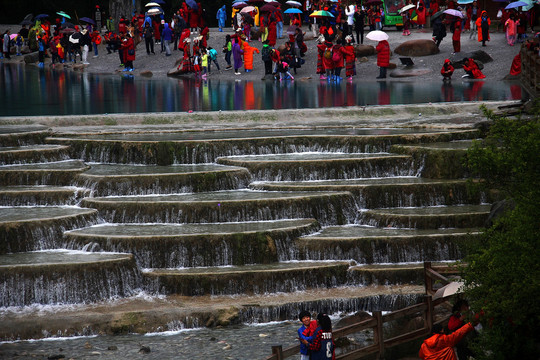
<point>32,91</point>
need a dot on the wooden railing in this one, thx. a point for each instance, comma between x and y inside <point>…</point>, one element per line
<point>530,71</point>
<point>426,308</point>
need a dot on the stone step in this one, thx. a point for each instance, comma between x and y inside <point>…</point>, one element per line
<point>389,274</point>
<point>322,165</point>
<point>48,173</point>
<point>164,147</point>
<point>25,228</point>
<point>195,245</point>
<point>40,195</point>
<point>250,279</point>
<point>20,135</point>
<point>388,191</point>
<point>119,179</point>
<point>463,216</point>
<point>140,314</point>
<point>439,159</point>
<point>33,154</point>
<point>329,208</point>
<point>65,277</point>
<point>368,245</point>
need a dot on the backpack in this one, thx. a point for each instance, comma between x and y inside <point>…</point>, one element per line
<point>336,56</point>
<point>265,54</point>
<point>327,53</point>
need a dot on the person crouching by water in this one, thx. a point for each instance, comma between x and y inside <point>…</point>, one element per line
<point>447,70</point>
<point>440,346</point>
<point>306,332</point>
<point>322,347</point>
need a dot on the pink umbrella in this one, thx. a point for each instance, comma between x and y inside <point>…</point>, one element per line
<point>453,12</point>
<point>247,9</point>
<point>13,36</point>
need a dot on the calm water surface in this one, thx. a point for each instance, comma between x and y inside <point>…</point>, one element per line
<point>29,91</point>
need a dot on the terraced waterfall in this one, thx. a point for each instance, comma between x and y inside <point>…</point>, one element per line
<point>223,226</point>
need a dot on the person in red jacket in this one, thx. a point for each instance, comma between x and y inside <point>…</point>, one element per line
<point>456,35</point>
<point>441,347</point>
<point>447,70</point>
<point>383,58</point>
<point>128,51</point>
<point>350,58</point>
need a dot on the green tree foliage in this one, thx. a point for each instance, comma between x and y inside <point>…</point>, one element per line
<point>503,272</point>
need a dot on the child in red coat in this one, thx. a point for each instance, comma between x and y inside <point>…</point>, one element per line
<point>447,70</point>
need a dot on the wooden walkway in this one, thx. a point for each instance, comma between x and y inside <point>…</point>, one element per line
<point>426,309</point>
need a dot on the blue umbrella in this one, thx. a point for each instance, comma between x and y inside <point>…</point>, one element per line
<point>159,1</point>
<point>463,2</point>
<point>192,4</point>
<point>293,11</point>
<point>516,4</point>
<point>41,16</point>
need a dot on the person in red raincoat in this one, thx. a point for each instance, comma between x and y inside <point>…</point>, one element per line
<point>447,70</point>
<point>421,14</point>
<point>471,68</point>
<point>456,35</point>
<point>350,58</point>
<point>193,19</point>
<point>483,23</point>
<point>272,33</point>
<point>183,36</point>
<point>383,58</point>
<point>441,347</point>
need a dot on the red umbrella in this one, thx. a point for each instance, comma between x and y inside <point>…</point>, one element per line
<point>373,2</point>
<point>268,8</point>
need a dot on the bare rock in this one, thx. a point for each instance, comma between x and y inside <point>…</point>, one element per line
<point>479,55</point>
<point>353,319</point>
<point>31,58</point>
<point>363,59</point>
<point>392,66</point>
<point>363,50</point>
<point>146,73</point>
<point>144,349</point>
<point>423,47</point>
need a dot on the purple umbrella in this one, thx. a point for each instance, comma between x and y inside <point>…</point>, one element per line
<point>88,20</point>
<point>41,16</point>
<point>516,4</point>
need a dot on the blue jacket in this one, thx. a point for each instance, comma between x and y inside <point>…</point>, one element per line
<point>221,14</point>
<point>167,33</point>
<point>303,348</point>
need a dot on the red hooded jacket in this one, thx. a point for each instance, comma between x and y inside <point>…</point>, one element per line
<point>383,53</point>
<point>441,347</point>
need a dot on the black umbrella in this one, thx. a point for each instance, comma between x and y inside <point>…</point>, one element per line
<point>437,14</point>
<point>88,20</point>
<point>28,17</point>
<point>26,22</point>
<point>68,25</point>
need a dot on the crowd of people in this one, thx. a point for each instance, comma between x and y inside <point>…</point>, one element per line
<point>186,30</point>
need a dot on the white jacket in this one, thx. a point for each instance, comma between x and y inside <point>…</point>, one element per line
<point>349,11</point>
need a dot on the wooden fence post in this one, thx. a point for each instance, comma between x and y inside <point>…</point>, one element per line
<point>429,312</point>
<point>278,350</point>
<point>378,333</point>
<point>428,283</point>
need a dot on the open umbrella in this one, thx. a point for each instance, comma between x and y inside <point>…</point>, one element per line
<point>516,4</point>
<point>273,3</point>
<point>247,9</point>
<point>155,11</point>
<point>321,14</point>
<point>68,25</point>
<point>377,35</point>
<point>436,15</point>
<point>407,7</point>
<point>465,2</point>
<point>88,20</point>
<point>192,4</point>
<point>75,37</point>
<point>26,22</point>
<point>151,4</point>
<point>239,5</point>
<point>41,16</point>
<point>453,12</point>
<point>268,8</point>
<point>293,3</point>
<point>293,11</point>
<point>292,29</point>
<point>159,1</point>
<point>13,36</point>
<point>61,13</point>
<point>68,30</point>
<point>448,290</point>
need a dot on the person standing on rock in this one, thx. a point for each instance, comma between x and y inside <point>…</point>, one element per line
<point>439,30</point>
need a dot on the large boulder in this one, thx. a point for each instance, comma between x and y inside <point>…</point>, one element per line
<point>479,55</point>
<point>417,48</point>
<point>31,58</point>
<point>363,50</point>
